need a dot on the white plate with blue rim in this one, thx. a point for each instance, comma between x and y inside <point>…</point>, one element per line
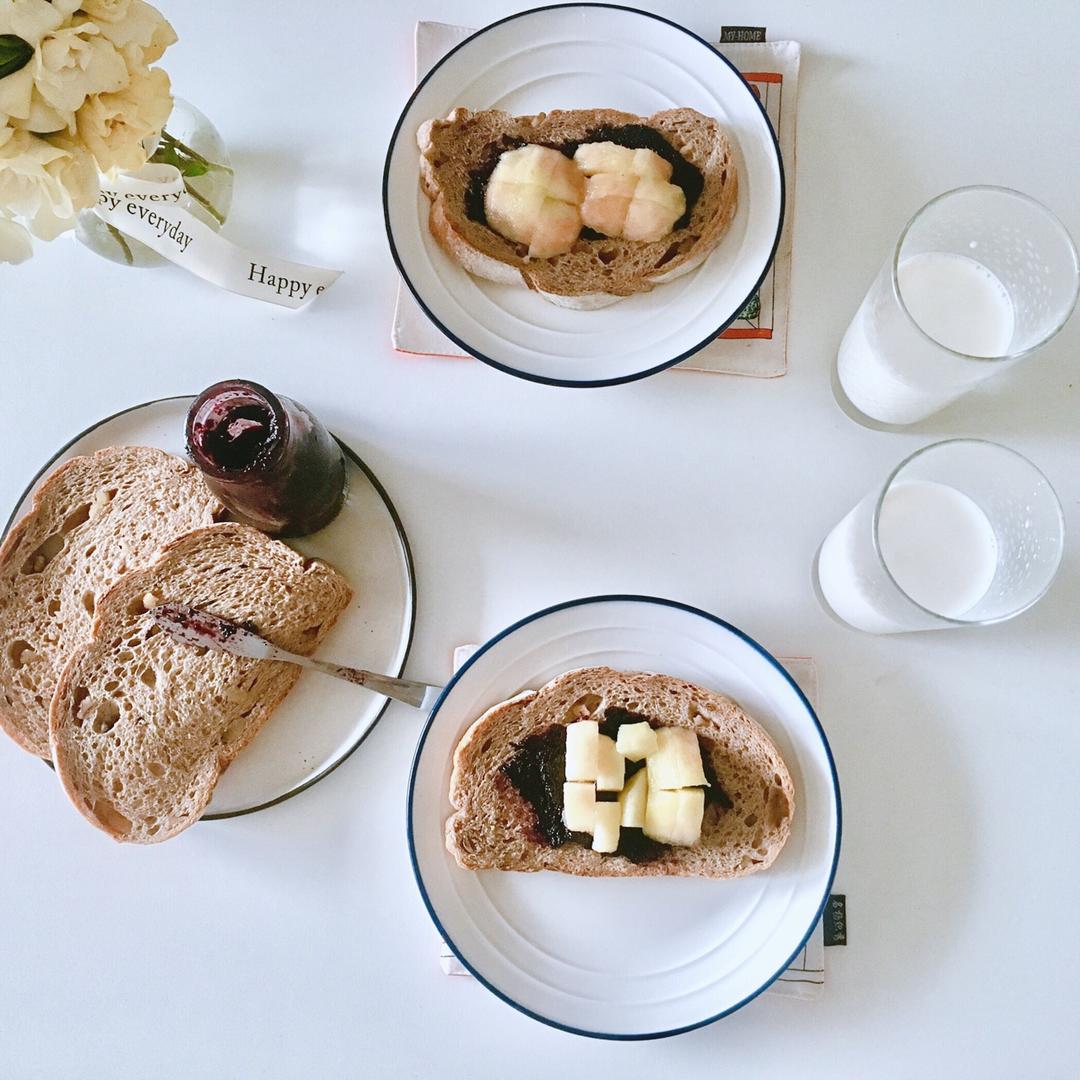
<point>633,958</point>
<point>580,56</point>
<point>322,721</point>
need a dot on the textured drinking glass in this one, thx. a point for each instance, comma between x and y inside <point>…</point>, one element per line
<point>981,277</point>
<point>963,533</point>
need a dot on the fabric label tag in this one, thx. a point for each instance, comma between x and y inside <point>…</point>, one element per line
<point>834,920</point>
<point>729,34</point>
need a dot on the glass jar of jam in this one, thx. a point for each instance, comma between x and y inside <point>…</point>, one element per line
<point>272,463</point>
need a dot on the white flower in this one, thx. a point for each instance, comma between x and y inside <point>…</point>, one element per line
<point>113,126</point>
<point>33,19</point>
<point>30,20</point>
<point>106,10</point>
<point>15,243</point>
<point>45,183</point>
<point>87,100</point>
<point>67,8</point>
<point>69,62</point>
<point>136,28</point>
<point>72,63</point>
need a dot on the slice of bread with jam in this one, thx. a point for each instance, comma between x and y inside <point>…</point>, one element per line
<point>459,154</point>
<point>507,785</point>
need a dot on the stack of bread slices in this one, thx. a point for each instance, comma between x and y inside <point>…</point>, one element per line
<point>138,726</point>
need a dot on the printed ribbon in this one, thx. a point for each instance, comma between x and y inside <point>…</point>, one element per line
<point>151,206</point>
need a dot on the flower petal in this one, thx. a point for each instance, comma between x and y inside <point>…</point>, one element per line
<point>15,243</point>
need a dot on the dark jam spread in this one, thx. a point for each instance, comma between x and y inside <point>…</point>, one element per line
<point>268,460</point>
<point>615,717</point>
<point>538,770</point>
<point>715,795</point>
<point>684,174</point>
<point>234,436</point>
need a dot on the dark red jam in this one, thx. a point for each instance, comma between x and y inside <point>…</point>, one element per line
<point>615,717</point>
<point>237,436</point>
<point>268,459</point>
<point>715,795</point>
<point>538,770</point>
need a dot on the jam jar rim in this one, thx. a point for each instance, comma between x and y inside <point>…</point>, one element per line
<point>266,461</point>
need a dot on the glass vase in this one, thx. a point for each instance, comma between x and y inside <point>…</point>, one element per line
<point>191,143</point>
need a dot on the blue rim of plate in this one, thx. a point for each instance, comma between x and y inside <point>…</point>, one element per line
<point>624,598</point>
<point>399,528</point>
<point>545,379</point>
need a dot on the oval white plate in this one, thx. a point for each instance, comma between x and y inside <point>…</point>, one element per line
<point>323,720</point>
<point>572,57</point>
<point>641,957</point>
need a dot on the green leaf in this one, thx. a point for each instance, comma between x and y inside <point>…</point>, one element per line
<point>14,54</point>
<point>166,155</point>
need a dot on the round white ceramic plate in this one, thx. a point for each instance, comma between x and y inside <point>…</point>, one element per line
<point>323,720</point>
<point>571,57</point>
<point>640,957</point>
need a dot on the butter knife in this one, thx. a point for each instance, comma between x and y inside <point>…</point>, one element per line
<point>193,626</point>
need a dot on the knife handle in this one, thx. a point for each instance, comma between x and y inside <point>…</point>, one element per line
<point>417,694</point>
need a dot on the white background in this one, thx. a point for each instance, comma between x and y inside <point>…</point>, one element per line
<point>294,943</point>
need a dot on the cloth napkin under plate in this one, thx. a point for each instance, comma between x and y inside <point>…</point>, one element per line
<point>805,978</point>
<point>756,343</point>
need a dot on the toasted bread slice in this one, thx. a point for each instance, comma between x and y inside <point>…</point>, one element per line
<point>747,815</point>
<point>459,152</point>
<point>142,726</point>
<point>92,520</point>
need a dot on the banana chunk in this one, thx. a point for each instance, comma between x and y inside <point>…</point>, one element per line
<point>533,197</point>
<point>582,750</point>
<point>676,762</point>
<point>579,807</point>
<point>628,193</point>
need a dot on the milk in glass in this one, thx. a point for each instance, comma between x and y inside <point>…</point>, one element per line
<point>956,301</point>
<point>935,541</point>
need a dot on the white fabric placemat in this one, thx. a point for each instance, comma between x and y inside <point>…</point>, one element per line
<point>755,344</point>
<point>805,978</point>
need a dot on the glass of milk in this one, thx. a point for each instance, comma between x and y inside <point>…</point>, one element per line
<point>963,533</point>
<point>981,277</point>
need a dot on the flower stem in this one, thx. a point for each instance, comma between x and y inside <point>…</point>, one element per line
<point>171,140</point>
<point>171,151</point>
<point>118,236</point>
<point>205,202</point>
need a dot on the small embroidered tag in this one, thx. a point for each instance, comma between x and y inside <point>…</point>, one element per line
<point>741,33</point>
<point>834,920</point>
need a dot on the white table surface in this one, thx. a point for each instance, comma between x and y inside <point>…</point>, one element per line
<point>293,943</point>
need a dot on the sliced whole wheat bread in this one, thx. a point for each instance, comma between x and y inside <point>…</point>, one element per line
<point>597,271</point>
<point>142,726</point>
<point>493,827</point>
<point>93,519</point>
